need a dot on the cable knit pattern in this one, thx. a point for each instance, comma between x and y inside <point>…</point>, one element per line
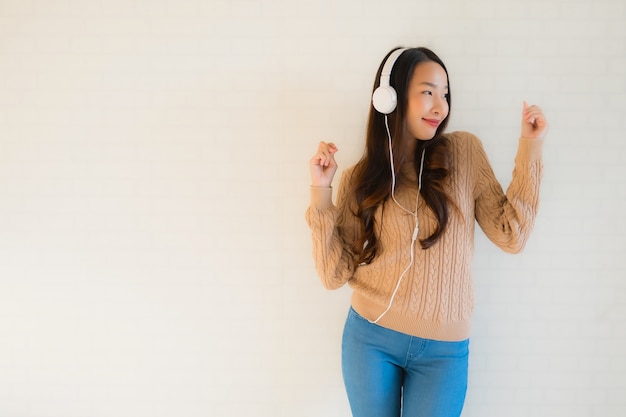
<point>435,299</point>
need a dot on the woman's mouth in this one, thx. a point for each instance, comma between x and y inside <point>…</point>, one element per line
<point>432,122</point>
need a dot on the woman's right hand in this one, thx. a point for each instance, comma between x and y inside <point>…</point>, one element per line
<point>323,165</point>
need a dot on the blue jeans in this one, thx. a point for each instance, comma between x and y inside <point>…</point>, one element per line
<point>389,374</point>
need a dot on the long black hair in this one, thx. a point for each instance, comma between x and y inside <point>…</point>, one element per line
<point>372,181</point>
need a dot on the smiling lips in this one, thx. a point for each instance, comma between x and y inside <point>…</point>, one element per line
<point>432,122</point>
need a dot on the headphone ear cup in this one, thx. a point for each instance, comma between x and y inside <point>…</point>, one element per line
<point>385,99</point>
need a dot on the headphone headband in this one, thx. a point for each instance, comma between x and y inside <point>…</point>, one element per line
<point>385,74</point>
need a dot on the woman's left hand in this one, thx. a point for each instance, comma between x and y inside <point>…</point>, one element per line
<point>534,123</point>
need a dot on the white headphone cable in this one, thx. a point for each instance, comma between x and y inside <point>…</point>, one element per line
<point>414,214</point>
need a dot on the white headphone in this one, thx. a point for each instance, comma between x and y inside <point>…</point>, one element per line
<point>385,98</point>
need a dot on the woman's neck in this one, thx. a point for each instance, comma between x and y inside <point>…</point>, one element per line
<point>411,144</point>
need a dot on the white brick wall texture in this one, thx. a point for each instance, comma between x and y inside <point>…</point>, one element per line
<point>154,259</point>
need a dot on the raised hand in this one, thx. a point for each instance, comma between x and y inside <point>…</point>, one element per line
<point>323,165</point>
<point>534,123</point>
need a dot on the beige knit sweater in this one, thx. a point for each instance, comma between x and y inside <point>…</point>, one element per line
<point>435,299</point>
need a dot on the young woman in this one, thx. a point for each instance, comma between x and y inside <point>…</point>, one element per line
<point>401,234</point>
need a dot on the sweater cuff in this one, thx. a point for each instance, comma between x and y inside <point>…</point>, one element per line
<point>530,149</point>
<point>321,197</point>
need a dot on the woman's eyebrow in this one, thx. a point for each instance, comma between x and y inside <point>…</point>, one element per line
<point>429,84</point>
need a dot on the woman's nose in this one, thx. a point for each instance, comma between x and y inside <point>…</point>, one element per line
<point>439,106</point>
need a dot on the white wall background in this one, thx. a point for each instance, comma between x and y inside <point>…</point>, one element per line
<point>154,259</point>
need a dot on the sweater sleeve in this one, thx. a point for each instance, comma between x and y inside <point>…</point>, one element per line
<point>508,218</point>
<point>333,230</point>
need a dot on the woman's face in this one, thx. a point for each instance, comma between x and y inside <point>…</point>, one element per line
<point>427,100</point>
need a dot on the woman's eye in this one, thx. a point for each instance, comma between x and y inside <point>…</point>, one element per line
<point>430,93</point>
